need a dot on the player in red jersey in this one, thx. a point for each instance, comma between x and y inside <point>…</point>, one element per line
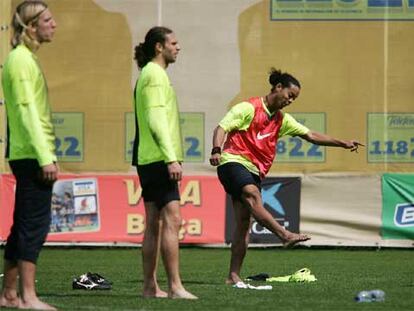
<point>250,131</point>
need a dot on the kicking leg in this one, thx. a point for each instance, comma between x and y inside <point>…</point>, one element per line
<point>252,198</point>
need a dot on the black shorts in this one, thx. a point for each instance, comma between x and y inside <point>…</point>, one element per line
<point>31,216</point>
<point>156,184</point>
<point>234,176</point>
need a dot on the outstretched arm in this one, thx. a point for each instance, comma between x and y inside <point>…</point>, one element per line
<point>218,139</point>
<point>318,138</point>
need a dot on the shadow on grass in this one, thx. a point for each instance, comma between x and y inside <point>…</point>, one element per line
<point>185,281</point>
<point>203,283</point>
<point>79,294</point>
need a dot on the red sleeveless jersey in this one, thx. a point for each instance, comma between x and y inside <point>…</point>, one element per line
<point>258,142</point>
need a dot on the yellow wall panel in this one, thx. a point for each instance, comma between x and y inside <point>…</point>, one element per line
<point>349,70</point>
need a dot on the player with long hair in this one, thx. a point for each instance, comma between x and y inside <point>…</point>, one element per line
<point>30,151</point>
<point>158,154</point>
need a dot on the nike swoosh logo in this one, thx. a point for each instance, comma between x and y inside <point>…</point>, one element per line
<point>260,136</point>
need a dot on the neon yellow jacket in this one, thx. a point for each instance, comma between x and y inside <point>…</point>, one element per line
<point>158,118</point>
<point>31,134</point>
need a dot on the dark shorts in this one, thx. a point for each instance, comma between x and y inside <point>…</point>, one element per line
<point>234,176</point>
<point>156,184</point>
<point>31,217</point>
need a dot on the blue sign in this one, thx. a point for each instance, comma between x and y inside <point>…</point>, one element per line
<point>404,215</point>
<point>281,198</point>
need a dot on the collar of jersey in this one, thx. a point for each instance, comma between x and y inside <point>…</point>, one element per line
<point>265,108</point>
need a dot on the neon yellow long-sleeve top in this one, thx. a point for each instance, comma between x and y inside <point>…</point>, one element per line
<point>158,117</point>
<point>31,133</point>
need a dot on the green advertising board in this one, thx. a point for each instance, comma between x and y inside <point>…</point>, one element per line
<point>342,10</point>
<point>390,137</point>
<point>192,129</point>
<point>295,149</point>
<point>69,136</point>
<point>397,206</point>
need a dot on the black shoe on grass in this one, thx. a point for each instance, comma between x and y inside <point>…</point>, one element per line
<point>97,278</point>
<point>91,281</point>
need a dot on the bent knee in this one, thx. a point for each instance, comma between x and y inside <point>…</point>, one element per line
<point>251,193</point>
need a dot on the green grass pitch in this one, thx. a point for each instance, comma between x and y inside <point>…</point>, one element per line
<point>341,273</point>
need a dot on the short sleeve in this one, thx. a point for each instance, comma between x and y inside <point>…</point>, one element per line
<point>238,117</point>
<point>292,127</point>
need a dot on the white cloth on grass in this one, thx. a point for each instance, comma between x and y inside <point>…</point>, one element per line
<point>243,285</point>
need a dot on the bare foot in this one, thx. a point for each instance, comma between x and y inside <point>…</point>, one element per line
<point>8,301</point>
<point>155,294</point>
<point>233,278</point>
<point>35,304</point>
<point>294,238</point>
<point>181,294</point>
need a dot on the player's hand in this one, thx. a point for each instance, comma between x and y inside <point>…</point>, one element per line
<point>50,173</point>
<point>353,145</point>
<point>175,171</point>
<point>215,159</point>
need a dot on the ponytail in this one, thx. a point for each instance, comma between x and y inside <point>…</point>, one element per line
<point>276,76</point>
<point>145,51</point>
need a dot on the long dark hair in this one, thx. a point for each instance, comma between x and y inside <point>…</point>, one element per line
<point>276,76</point>
<point>145,51</point>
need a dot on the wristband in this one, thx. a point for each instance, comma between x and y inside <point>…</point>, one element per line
<point>216,150</point>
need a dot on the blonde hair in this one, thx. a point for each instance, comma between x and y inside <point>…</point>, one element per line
<point>27,13</point>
